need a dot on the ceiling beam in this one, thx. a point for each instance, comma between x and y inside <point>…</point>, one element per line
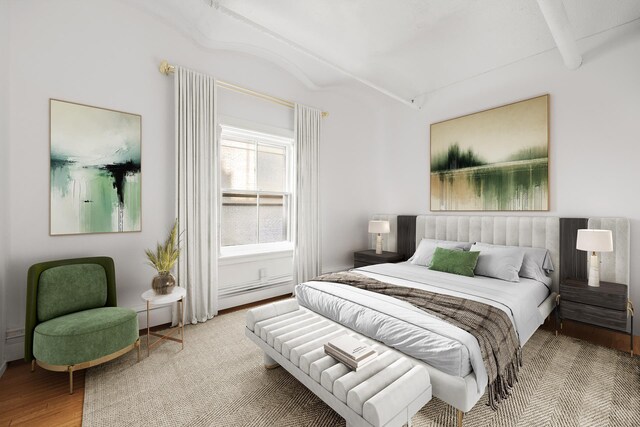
<point>230,13</point>
<point>556,16</point>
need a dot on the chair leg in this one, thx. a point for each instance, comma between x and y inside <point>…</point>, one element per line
<point>138,349</point>
<point>460,416</point>
<point>33,365</point>
<point>70,369</point>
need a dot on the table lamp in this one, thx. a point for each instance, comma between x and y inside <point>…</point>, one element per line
<point>379,227</point>
<point>594,241</point>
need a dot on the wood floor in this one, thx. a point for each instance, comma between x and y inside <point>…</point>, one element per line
<point>42,398</point>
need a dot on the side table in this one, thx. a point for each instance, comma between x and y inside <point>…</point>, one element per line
<point>607,306</point>
<point>151,297</point>
<point>370,257</point>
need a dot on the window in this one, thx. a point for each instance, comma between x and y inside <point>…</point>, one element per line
<point>256,191</point>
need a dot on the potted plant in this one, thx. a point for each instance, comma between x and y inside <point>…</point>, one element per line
<point>163,260</point>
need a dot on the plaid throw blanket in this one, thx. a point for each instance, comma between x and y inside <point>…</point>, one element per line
<point>491,326</point>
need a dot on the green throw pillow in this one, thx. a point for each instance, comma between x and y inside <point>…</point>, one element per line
<point>454,261</point>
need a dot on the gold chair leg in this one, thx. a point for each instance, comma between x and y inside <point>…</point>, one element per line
<point>460,416</point>
<point>70,369</point>
<point>33,365</point>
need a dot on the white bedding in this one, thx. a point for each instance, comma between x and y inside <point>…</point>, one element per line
<point>400,325</point>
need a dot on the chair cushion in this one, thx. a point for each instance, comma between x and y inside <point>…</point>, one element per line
<point>70,288</point>
<point>85,335</point>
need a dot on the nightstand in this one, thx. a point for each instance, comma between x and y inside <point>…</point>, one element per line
<point>607,305</point>
<point>369,257</point>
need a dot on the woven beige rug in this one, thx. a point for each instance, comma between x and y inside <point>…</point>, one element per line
<point>219,380</point>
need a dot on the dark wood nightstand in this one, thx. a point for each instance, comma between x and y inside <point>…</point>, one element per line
<point>369,257</point>
<point>607,305</point>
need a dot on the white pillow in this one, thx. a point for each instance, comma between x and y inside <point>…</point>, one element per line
<point>500,262</point>
<point>536,263</point>
<point>427,247</point>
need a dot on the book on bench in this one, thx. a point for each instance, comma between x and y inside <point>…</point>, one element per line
<point>350,351</point>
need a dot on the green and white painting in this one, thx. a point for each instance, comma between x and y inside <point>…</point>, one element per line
<point>95,170</point>
<point>494,160</point>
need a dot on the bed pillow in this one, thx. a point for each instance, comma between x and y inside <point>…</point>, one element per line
<point>455,261</point>
<point>427,247</point>
<point>536,263</point>
<point>500,262</point>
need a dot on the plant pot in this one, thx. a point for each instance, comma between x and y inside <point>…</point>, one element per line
<point>163,283</point>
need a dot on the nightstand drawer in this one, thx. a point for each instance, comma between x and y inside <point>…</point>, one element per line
<point>600,316</point>
<point>607,295</point>
<point>369,257</point>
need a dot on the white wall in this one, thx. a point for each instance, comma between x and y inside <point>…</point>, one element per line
<point>374,155</point>
<point>595,131</point>
<point>4,175</point>
<point>106,54</point>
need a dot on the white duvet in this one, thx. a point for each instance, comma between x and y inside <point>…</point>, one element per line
<point>414,332</point>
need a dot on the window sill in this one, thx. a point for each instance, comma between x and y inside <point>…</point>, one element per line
<point>250,253</point>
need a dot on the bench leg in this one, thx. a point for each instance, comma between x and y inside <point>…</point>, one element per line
<point>33,365</point>
<point>269,363</point>
<point>460,416</point>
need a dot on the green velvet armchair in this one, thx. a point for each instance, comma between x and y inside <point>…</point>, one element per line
<point>73,320</point>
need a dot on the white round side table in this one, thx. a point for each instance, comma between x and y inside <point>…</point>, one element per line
<point>179,294</point>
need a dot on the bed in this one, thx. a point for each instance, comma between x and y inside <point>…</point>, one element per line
<point>450,354</point>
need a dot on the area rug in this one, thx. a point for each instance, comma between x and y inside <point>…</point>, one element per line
<point>219,380</point>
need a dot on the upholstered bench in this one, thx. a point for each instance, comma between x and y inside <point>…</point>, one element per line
<point>388,391</point>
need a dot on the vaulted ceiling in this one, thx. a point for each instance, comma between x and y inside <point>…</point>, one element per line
<point>403,48</point>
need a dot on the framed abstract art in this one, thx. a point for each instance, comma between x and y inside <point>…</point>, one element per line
<point>95,169</point>
<point>493,160</point>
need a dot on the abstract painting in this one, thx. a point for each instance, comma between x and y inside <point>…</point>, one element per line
<point>494,160</point>
<point>95,169</point>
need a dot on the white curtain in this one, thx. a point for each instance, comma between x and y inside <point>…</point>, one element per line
<point>197,192</point>
<point>307,260</point>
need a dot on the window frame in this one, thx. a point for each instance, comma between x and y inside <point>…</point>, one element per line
<point>260,136</point>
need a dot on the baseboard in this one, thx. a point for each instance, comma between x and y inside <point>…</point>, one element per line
<point>158,315</point>
<point>226,302</point>
<point>15,349</point>
<point>596,335</point>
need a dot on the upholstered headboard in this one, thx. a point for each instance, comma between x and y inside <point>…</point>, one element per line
<point>539,231</point>
<point>528,231</point>
<point>614,266</point>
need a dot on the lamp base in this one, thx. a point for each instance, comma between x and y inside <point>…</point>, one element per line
<point>379,244</point>
<point>594,271</point>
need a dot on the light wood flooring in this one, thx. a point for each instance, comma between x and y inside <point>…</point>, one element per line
<point>42,398</point>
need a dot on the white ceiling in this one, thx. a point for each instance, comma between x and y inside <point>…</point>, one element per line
<point>404,48</point>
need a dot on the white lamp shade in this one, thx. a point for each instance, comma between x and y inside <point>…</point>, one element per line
<point>381,227</point>
<point>595,240</point>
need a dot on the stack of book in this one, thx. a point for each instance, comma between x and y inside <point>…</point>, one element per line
<point>350,351</point>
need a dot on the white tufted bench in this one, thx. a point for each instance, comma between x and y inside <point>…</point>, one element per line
<point>388,391</point>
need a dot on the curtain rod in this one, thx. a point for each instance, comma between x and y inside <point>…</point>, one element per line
<point>166,69</point>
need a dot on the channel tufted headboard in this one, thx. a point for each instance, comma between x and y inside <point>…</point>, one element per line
<point>539,232</point>
<point>553,233</point>
<point>527,231</point>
